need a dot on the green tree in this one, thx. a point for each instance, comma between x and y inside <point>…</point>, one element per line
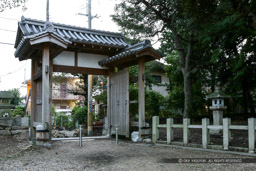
<point>168,20</point>
<point>17,99</point>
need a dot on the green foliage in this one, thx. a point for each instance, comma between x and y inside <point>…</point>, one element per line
<point>63,120</point>
<point>80,114</point>
<point>18,111</point>
<point>17,99</point>
<point>154,102</point>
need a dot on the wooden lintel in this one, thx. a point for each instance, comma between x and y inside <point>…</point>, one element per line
<point>80,70</point>
<point>37,75</point>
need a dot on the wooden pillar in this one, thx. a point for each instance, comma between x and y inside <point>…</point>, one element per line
<point>33,99</point>
<point>50,98</point>
<point>89,115</point>
<point>141,95</point>
<point>109,102</point>
<point>46,89</point>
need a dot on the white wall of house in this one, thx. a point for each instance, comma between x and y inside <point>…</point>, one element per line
<point>164,79</point>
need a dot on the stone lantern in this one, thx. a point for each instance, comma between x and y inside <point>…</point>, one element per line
<point>217,107</point>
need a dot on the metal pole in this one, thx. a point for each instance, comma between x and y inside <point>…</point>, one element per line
<point>80,136</point>
<point>116,135</point>
<point>47,10</point>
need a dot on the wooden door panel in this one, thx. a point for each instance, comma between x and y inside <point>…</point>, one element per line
<point>120,102</point>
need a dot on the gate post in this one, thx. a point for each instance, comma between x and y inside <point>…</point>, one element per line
<point>169,123</point>
<point>226,132</point>
<point>251,135</point>
<point>46,98</point>
<point>186,132</point>
<point>141,96</point>
<point>155,133</point>
<point>205,132</point>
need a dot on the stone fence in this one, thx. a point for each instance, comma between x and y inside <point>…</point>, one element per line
<point>13,126</point>
<point>186,126</point>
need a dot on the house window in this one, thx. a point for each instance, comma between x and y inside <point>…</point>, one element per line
<point>63,107</point>
<point>5,101</point>
<point>157,78</point>
<point>63,89</point>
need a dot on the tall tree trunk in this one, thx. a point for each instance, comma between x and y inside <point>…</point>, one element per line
<point>187,94</point>
<point>245,102</point>
<point>187,70</point>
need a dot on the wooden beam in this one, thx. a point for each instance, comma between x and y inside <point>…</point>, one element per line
<point>33,99</point>
<point>80,70</point>
<point>141,96</point>
<point>37,75</point>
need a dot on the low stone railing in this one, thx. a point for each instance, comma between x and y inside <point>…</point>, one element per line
<point>186,126</point>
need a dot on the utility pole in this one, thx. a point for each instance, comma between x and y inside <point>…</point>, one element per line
<point>47,11</point>
<point>89,116</point>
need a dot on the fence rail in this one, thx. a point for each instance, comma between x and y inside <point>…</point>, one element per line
<point>186,126</point>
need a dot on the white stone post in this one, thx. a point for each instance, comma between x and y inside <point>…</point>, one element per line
<point>169,128</point>
<point>186,132</point>
<point>251,135</point>
<point>205,132</point>
<point>226,133</point>
<point>155,132</point>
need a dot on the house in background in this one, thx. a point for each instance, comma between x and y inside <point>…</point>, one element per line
<point>62,98</point>
<point>5,102</point>
<point>158,74</point>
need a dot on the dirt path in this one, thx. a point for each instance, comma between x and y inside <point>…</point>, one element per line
<point>106,155</point>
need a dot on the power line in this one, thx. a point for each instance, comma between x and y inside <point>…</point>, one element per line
<point>7,30</point>
<point>4,43</point>
<point>14,71</point>
<point>9,18</point>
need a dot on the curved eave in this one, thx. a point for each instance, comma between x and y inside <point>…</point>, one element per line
<point>50,37</point>
<point>129,58</point>
<point>25,49</point>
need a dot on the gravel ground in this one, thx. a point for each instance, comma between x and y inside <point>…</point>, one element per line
<point>104,155</point>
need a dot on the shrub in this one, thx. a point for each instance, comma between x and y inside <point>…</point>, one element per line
<point>18,111</point>
<point>79,114</point>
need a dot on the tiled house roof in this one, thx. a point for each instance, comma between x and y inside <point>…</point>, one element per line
<point>6,95</point>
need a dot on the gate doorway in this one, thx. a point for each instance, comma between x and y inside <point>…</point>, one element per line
<point>56,47</point>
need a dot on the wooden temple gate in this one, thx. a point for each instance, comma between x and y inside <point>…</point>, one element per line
<point>62,48</point>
